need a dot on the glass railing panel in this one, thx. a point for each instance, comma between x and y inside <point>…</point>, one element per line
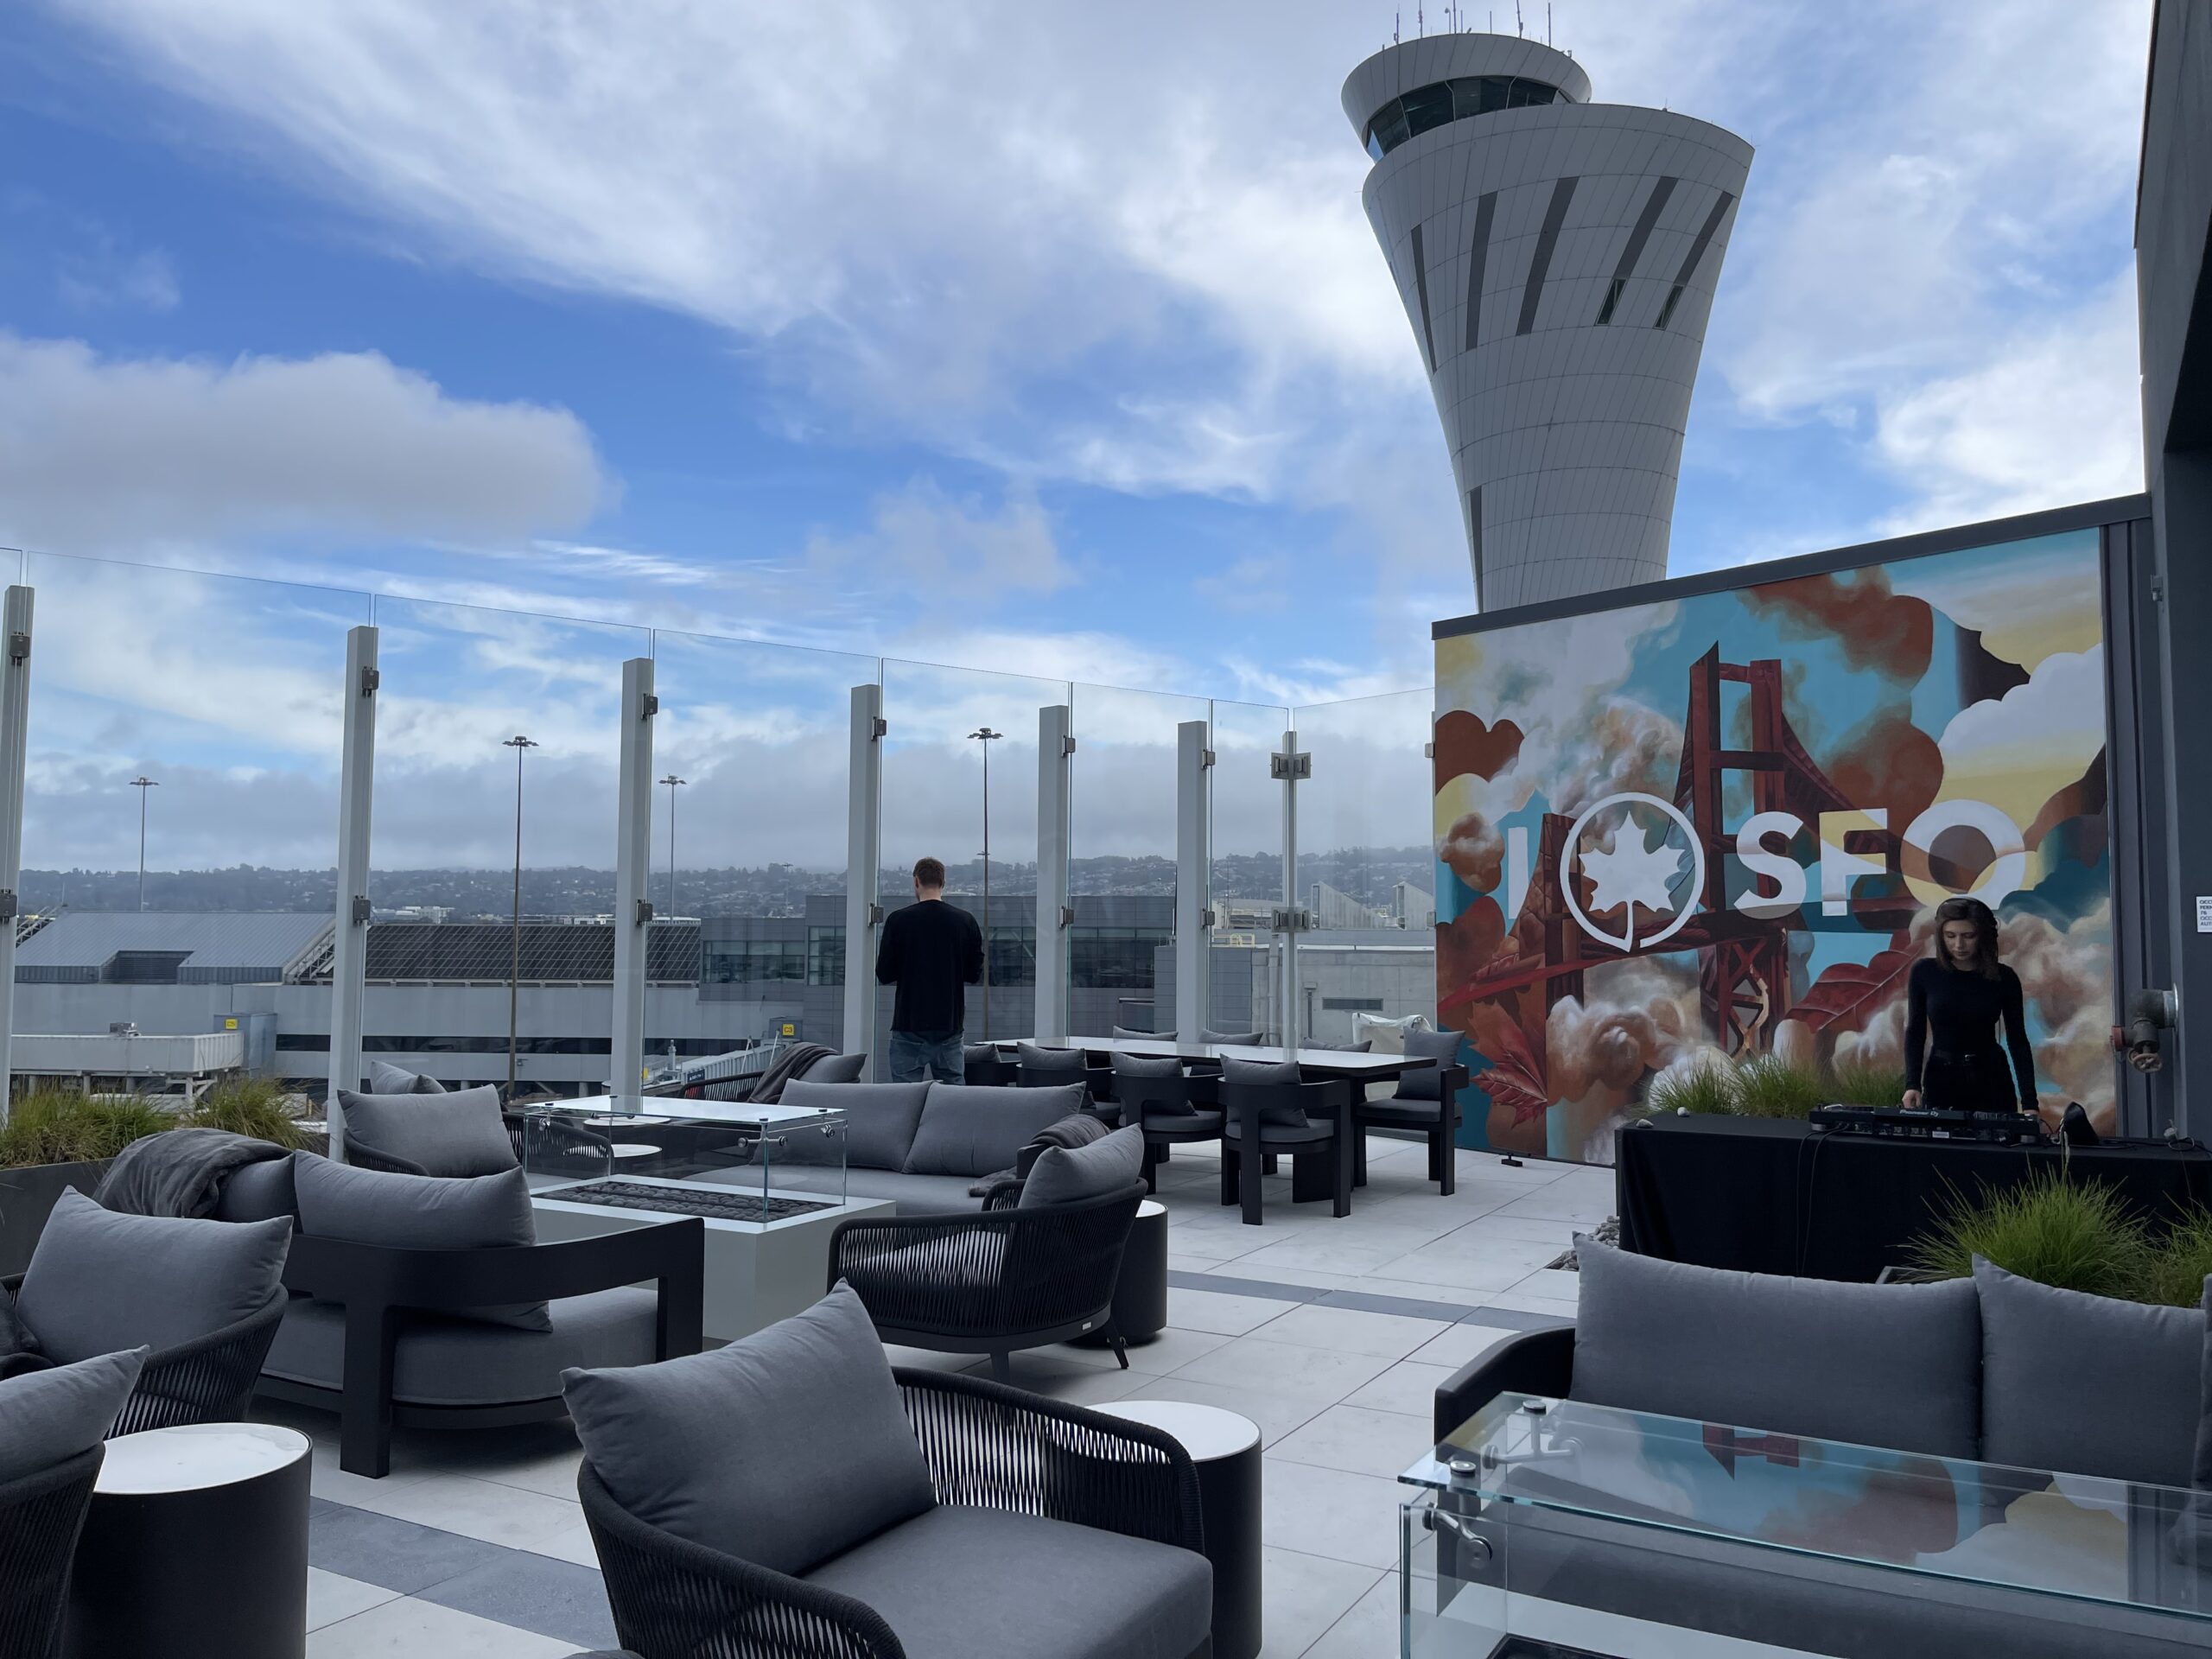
<point>1247,886</point>
<point>180,821</point>
<point>752,749</point>
<point>491,949</point>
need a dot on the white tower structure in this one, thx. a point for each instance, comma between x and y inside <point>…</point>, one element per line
<point>1557,259</point>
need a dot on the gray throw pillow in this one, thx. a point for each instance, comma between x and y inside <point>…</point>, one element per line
<point>99,1281</point>
<point>1889,1365</point>
<point>784,1449</point>
<point>458,1134</point>
<point>1427,1083</point>
<point>1038,1058</point>
<point>833,1068</point>
<point>2042,1347</point>
<point>1361,1047</point>
<point>48,1417</point>
<point>1269,1072</point>
<point>386,1078</point>
<point>1071,1174</point>
<point>879,1122</point>
<point>1155,1036</point>
<point>259,1191</point>
<point>1234,1039</point>
<point>422,1212</point>
<point>1133,1071</point>
<point>973,1131</point>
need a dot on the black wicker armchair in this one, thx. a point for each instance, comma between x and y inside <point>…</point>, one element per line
<point>986,1446</point>
<point>40,1515</point>
<point>992,1282</point>
<point>210,1379</point>
<point>1437,1121</point>
<point>1312,1122</point>
<point>378,1287</point>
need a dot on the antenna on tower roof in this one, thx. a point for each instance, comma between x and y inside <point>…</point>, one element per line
<point>1519,27</point>
<point>1548,22</point>
<point>1396,18</point>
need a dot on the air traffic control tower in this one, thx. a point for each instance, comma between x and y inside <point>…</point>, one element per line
<point>1557,259</point>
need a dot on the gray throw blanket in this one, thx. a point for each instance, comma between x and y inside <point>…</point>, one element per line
<point>1077,1129</point>
<point>792,1062</point>
<point>178,1172</point>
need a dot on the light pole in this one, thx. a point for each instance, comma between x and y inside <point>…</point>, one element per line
<point>518,743</point>
<point>986,736</point>
<point>141,784</point>
<point>674,783</point>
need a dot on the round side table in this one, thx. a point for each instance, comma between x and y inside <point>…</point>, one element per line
<point>1140,1293</point>
<point>195,1548</point>
<point>1226,1449</point>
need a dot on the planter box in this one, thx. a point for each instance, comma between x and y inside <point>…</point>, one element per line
<point>28,1196</point>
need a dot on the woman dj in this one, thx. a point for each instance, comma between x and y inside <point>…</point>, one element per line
<point>1954,1003</point>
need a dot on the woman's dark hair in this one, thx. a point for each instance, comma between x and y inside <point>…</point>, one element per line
<point>1985,932</point>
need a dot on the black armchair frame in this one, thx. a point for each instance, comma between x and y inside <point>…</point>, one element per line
<point>986,1446</point>
<point>1441,1131</point>
<point>377,1285</point>
<point>992,1281</point>
<point>209,1379</point>
<point>40,1515</point>
<point>1097,1083</point>
<point>1320,1154</point>
<point>1187,1103</point>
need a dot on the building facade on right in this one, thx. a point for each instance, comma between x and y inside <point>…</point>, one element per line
<point>1557,259</point>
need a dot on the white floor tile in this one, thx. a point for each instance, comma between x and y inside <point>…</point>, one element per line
<point>1230,1314</point>
<point>1330,1512</point>
<point>1557,1284</point>
<point>1358,1439</point>
<point>1284,1368</point>
<point>571,1544</point>
<point>332,1597</point>
<point>416,1629</point>
<point>1277,1415</point>
<point>1369,1630</point>
<point>1387,1336</point>
<point>1301,1596</point>
<point>477,1509</point>
<point>1409,1387</point>
<point>1460,1345</point>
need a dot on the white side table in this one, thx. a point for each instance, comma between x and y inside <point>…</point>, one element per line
<point>195,1548</point>
<point>1226,1449</point>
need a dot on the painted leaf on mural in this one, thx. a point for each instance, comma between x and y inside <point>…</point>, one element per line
<point>1515,1078</point>
<point>1845,996</point>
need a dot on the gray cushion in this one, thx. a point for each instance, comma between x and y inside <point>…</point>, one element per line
<point>1272,1072</point>
<point>1156,1036</point>
<point>99,1281</point>
<point>879,1121</point>
<point>386,1078</point>
<point>1038,1058</point>
<point>1889,1365</point>
<point>784,1448</point>
<point>1147,1065</point>
<point>1364,1046</point>
<point>421,1212</point>
<point>2043,1348</point>
<point>977,1131</point>
<point>833,1068</point>
<point>967,1583</point>
<point>1133,1071</point>
<point>48,1417</point>
<point>1427,1083</point>
<point>1071,1174</point>
<point>439,1360</point>
<point>1234,1039</point>
<point>259,1191</point>
<point>458,1134</point>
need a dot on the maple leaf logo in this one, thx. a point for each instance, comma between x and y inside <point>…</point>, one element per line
<point>1633,873</point>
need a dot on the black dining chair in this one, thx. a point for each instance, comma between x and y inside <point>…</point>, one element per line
<point>1427,1101</point>
<point>983,1066</point>
<point>1173,1107</point>
<point>1311,1121</point>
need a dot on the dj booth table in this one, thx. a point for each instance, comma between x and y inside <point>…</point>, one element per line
<point>1771,1196</point>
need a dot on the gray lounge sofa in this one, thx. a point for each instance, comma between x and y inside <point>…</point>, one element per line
<point>1995,1369</point>
<point>921,1145</point>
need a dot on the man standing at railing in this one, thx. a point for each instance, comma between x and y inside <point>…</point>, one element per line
<point>931,952</point>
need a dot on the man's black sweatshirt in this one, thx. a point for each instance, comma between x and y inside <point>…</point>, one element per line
<point>928,950</point>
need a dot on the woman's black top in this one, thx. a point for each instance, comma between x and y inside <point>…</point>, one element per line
<point>1961,1011</point>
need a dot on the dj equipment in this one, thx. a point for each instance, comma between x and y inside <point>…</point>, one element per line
<point>1999,1129</point>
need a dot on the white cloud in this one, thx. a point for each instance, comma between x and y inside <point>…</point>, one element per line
<point>108,275</point>
<point>100,454</point>
<point>927,551</point>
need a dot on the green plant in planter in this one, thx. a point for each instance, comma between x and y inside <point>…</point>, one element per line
<point>253,1107</point>
<point>64,1126</point>
<point>2181,1261</point>
<point>1706,1085</point>
<point>2072,1235</point>
<point>1769,1086</point>
<point>1862,1082</point>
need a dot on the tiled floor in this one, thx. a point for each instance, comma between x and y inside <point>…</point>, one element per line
<point>1331,1335</point>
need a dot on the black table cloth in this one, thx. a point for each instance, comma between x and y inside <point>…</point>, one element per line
<point>1771,1196</point>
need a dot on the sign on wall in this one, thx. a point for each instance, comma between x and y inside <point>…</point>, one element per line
<point>1721,824</point>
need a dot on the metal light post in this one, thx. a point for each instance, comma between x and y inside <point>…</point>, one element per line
<point>985,735</point>
<point>518,743</point>
<point>674,783</point>
<point>141,784</point>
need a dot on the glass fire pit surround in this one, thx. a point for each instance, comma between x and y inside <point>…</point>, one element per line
<point>1545,1527</point>
<point>769,1151</point>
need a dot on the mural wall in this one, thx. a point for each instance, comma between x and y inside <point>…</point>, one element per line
<point>1721,822</point>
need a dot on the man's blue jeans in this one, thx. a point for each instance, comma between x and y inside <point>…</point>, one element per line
<point>918,1056</point>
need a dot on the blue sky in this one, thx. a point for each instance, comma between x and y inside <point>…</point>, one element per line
<point>1045,340</point>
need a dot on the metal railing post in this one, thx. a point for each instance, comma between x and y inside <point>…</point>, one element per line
<point>863,854</point>
<point>634,912</point>
<point>15,735</point>
<point>1055,915</point>
<point>1193,882</point>
<point>349,942</point>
